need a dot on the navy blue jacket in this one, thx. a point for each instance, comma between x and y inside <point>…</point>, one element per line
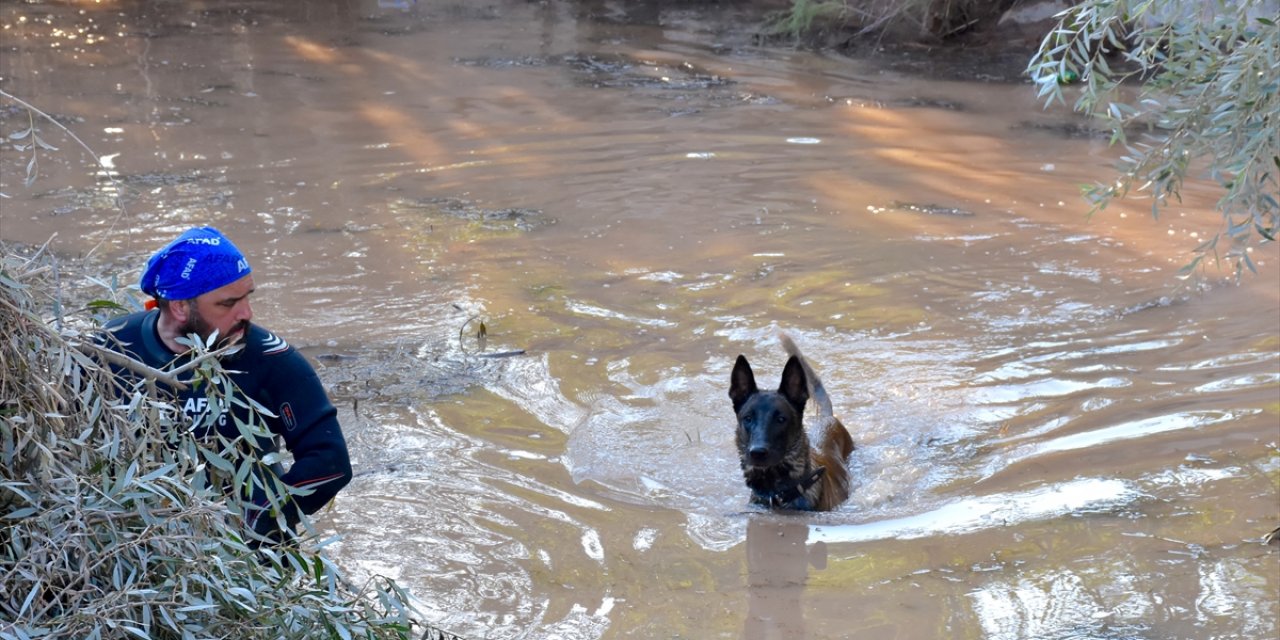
<point>279,378</point>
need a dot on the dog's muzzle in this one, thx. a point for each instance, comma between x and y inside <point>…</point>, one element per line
<point>758,456</point>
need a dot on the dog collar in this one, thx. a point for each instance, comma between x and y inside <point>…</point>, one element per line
<point>797,489</point>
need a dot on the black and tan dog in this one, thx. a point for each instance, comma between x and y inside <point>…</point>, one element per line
<point>780,467</point>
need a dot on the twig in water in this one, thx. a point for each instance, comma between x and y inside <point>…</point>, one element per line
<point>106,170</point>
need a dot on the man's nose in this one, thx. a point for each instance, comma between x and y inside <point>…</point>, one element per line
<point>245,311</point>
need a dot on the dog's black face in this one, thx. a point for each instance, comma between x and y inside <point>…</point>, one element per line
<point>770,423</point>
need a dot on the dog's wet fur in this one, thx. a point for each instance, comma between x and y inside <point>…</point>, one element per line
<point>780,467</point>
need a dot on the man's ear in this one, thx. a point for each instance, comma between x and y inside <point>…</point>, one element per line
<point>180,310</point>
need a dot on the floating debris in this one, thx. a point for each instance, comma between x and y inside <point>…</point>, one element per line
<point>1065,129</point>
<point>629,73</point>
<point>916,102</point>
<point>930,209</point>
<point>502,63</point>
<point>517,217</point>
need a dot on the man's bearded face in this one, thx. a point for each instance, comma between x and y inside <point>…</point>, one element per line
<point>197,324</point>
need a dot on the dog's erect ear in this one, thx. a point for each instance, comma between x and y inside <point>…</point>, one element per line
<point>742,384</point>
<point>794,386</point>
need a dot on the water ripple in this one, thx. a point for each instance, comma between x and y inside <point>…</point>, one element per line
<point>1239,382</point>
<point>1048,388</point>
<point>982,512</point>
<point>1116,433</point>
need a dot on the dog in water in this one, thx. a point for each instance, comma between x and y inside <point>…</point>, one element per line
<point>780,467</point>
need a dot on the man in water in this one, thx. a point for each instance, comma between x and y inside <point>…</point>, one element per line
<point>201,284</point>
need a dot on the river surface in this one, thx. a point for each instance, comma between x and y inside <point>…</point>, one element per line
<point>1056,436</point>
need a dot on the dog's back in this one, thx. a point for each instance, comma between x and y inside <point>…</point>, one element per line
<point>834,444</point>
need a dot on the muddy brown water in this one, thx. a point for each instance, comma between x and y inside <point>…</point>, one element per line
<point>1057,437</point>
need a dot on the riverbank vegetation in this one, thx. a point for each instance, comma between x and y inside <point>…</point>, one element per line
<point>843,23</point>
<point>1207,102</point>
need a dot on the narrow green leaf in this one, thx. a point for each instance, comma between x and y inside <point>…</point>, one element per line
<point>43,145</point>
<point>1269,234</point>
<point>105,305</point>
<point>197,607</point>
<point>217,461</point>
<point>126,478</point>
<point>26,604</point>
<point>1190,268</point>
<point>162,471</point>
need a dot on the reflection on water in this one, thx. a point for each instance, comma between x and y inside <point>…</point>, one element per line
<point>778,560</point>
<point>1056,438</point>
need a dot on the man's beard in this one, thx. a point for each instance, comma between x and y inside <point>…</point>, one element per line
<point>196,324</point>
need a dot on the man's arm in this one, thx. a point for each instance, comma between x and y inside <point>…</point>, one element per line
<point>308,422</point>
<point>320,462</point>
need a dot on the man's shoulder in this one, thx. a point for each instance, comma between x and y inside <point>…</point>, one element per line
<point>263,342</point>
<point>127,322</point>
<point>270,356</point>
<point>134,334</point>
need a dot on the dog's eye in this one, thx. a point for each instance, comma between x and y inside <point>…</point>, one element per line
<point>779,418</point>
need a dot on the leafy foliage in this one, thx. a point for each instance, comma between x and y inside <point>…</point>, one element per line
<point>799,18</point>
<point>1207,77</point>
<point>115,521</point>
<point>932,19</point>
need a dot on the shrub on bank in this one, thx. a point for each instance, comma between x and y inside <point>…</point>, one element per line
<point>1207,103</point>
<point>847,20</point>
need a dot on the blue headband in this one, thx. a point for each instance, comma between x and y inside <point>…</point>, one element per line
<point>197,262</point>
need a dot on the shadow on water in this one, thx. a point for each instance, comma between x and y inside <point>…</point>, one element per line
<point>1056,438</point>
